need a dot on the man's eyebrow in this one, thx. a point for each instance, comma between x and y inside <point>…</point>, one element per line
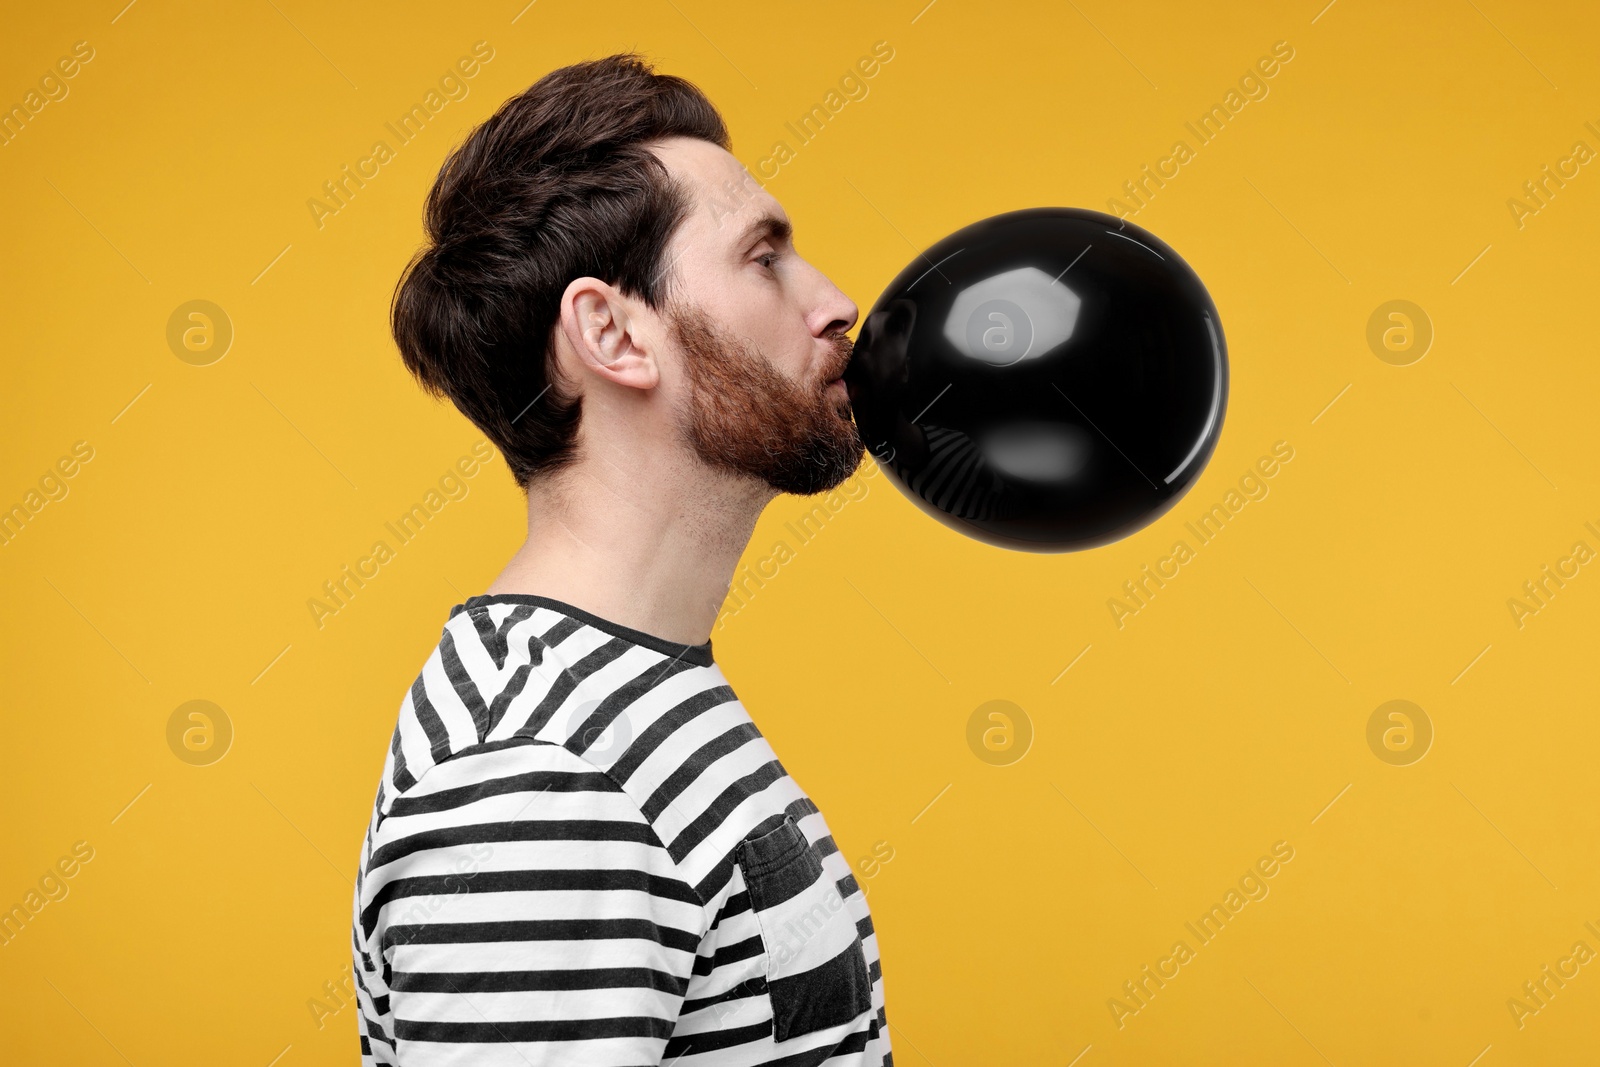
<point>769,226</point>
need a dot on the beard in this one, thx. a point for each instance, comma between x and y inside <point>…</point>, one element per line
<point>745,417</point>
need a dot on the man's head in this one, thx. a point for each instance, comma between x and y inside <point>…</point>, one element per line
<point>601,270</point>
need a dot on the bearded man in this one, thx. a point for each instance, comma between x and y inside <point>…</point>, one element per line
<point>583,851</point>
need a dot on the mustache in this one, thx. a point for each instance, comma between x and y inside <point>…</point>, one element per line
<point>844,351</point>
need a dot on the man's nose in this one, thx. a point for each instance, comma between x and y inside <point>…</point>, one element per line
<point>834,312</point>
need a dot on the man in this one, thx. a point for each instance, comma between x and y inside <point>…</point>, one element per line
<point>583,851</point>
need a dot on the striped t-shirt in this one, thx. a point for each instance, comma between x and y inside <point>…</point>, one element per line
<point>584,852</point>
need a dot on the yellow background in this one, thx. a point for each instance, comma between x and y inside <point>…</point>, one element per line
<point>1222,718</point>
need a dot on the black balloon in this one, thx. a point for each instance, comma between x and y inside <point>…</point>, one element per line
<point>1048,380</point>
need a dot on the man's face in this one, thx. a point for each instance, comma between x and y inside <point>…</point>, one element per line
<point>761,334</point>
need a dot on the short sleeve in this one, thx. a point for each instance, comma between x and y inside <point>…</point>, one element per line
<point>517,908</point>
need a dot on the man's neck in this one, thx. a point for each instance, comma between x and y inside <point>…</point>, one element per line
<point>659,561</point>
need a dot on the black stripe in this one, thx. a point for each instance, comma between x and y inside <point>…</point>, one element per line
<point>530,782</point>
<point>400,776</point>
<point>589,929</point>
<point>537,647</point>
<point>848,1045</point>
<point>568,680</point>
<point>486,1033</point>
<point>428,719</point>
<point>645,745</point>
<point>542,981</point>
<point>520,830</point>
<point>488,636</point>
<point>536,653</point>
<point>722,807</point>
<point>537,881</point>
<point>461,681</point>
<point>377,1033</point>
<point>564,627</point>
<point>736,904</point>
<point>749,988</point>
<point>511,690</point>
<point>618,702</point>
<point>693,767</point>
<point>726,954</point>
<point>380,1004</point>
<point>800,807</point>
<point>709,1042</point>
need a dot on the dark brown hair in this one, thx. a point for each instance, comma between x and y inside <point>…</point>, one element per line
<point>558,184</point>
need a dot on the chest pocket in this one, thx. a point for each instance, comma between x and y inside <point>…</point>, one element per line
<point>816,970</point>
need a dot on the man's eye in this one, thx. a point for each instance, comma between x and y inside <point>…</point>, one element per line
<point>767,256</point>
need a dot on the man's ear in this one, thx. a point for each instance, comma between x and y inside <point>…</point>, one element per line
<point>599,324</point>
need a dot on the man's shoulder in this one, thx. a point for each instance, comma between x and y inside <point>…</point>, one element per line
<point>515,790</point>
<point>513,690</point>
<point>532,670</point>
<point>524,685</point>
